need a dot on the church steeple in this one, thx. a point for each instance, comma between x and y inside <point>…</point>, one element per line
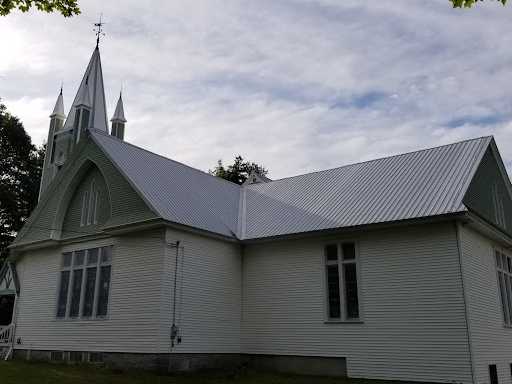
<point>88,111</point>
<point>91,89</point>
<point>118,120</point>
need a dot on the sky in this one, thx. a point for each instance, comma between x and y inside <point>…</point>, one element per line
<point>296,86</point>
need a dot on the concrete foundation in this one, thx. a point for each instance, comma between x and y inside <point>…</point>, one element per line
<point>303,365</point>
<point>193,362</point>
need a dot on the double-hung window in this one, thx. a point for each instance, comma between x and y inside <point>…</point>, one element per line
<point>84,283</point>
<point>341,271</point>
<point>504,274</point>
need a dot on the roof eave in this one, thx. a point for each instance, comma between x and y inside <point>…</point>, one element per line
<point>460,215</point>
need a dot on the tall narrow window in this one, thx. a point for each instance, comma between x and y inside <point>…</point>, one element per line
<point>76,285</point>
<point>90,202</point>
<point>104,285</point>
<point>64,285</point>
<point>95,212</point>
<point>85,205</point>
<point>504,276</point>
<point>85,283</point>
<point>350,281</point>
<point>90,282</point>
<point>333,281</point>
<point>54,146</point>
<point>342,281</point>
<point>499,210</point>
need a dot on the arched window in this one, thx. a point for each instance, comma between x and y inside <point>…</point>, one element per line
<point>90,201</point>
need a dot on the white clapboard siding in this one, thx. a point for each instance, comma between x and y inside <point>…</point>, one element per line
<point>411,294</point>
<point>134,304</point>
<point>491,342</point>
<point>208,305</point>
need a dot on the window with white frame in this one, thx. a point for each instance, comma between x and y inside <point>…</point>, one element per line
<point>341,273</point>
<point>504,274</point>
<point>84,283</point>
<point>90,201</point>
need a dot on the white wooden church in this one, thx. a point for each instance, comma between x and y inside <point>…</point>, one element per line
<point>398,268</point>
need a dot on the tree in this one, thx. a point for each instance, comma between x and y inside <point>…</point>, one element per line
<point>470,3</point>
<point>66,7</point>
<point>239,171</point>
<point>21,164</point>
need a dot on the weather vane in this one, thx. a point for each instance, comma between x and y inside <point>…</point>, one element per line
<point>99,30</point>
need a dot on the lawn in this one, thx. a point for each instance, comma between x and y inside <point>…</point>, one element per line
<point>16,372</point>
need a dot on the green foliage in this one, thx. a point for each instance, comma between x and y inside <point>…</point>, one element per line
<point>66,7</point>
<point>21,164</point>
<point>239,171</point>
<point>470,3</point>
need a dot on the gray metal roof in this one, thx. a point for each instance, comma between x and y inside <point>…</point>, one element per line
<point>413,185</point>
<point>419,184</point>
<point>176,192</point>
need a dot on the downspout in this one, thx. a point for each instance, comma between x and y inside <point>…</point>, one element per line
<point>174,328</point>
<point>465,299</point>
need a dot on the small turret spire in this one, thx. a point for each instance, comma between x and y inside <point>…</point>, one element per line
<point>119,112</point>
<point>56,122</point>
<point>118,120</point>
<point>58,110</point>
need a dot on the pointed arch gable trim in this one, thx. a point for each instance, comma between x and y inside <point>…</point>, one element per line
<point>87,164</point>
<point>9,283</point>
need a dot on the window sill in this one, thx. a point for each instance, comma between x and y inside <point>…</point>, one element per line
<point>343,322</point>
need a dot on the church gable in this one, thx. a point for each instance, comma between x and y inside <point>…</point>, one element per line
<point>489,192</point>
<point>89,207</point>
<point>58,213</point>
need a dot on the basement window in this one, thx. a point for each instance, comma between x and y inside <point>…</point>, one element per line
<point>341,271</point>
<point>84,286</point>
<point>493,374</point>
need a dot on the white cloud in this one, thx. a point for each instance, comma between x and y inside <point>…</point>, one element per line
<point>294,85</point>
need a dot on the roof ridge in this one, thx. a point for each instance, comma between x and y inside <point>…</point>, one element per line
<point>97,131</point>
<point>377,159</point>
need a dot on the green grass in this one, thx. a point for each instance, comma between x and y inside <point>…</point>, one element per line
<point>17,372</point>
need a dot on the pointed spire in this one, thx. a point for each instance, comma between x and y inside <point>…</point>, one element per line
<point>119,112</point>
<point>92,90</point>
<point>58,110</point>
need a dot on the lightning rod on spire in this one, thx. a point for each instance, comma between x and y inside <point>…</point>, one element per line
<point>99,30</point>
